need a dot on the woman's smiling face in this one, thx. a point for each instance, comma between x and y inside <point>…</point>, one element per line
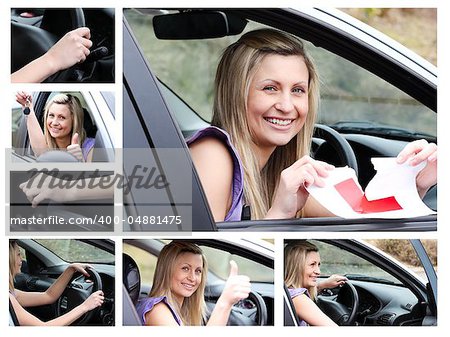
<point>277,103</point>
<point>59,121</point>
<point>18,260</point>
<point>311,270</point>
<point>186,275</point>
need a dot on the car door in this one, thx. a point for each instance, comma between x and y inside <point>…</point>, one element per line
<point>389,293</point>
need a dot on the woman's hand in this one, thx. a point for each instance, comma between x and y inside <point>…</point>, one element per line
<point>236,288</point>
<point>23,98</point>
<point>95,300</point>
<point>81,268</point>
<point>417,152</point>
<point>74,148</point>
<point>72,48</point>
<point>291,194</point>
<point>332,282</point>
<point>38,189</point>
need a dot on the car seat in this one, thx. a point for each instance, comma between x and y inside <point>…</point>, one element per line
<point>131,277</point>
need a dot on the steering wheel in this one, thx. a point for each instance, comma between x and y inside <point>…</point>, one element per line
<point>261,309</point>
<point>30,42</point>
<point>350,318</point>
<point>76,292</point>
<point>339,144</point>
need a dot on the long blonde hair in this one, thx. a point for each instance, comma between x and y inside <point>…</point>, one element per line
<point>12,263</point>
<point>294,264</point>
<point>76,111</point>
<point>236,69</point>
<point>193,310</point>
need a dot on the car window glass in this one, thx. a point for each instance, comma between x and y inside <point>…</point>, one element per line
<point>77,251</point>
<point>219,264</point>
<point>335,260</point>
<point>404,252</point>
<point>350,95</point>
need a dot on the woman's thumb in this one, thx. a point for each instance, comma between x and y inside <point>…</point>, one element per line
<point>233,268</point>
<point>75,139</point>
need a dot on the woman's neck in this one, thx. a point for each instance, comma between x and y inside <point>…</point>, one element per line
<point>262,154</point>
<point>63,143</point>
<point>179,300</point>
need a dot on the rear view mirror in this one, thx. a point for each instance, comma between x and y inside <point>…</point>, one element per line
<point>197,25</point>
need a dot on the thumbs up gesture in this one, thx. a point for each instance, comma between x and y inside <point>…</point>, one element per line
<point>237,286</point>
<point>74,147</point>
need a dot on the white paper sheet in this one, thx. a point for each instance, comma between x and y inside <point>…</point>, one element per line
<point>393,189</point>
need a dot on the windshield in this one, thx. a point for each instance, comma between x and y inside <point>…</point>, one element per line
<point>77,251</point>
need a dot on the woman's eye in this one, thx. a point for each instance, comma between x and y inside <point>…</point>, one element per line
<point>298,90</point>
<point>199,272</point>
<point>269,88</point>
<point>185,268</point>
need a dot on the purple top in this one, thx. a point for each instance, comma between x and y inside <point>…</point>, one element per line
<point>88,144</point>
<point>147,304</point>
<point>235,212</point>
<point>296,292</point>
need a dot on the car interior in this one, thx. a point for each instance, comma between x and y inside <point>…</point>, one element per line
<point>257,309</point>
<point>40,269</point>
<point>35,30</point>
<point>377,293</point>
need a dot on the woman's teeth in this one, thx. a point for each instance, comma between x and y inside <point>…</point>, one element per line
<point>282,122</point>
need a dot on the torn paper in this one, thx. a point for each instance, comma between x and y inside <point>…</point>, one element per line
<point>392,193</point>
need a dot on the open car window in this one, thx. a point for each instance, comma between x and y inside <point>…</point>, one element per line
<point>353,100</point>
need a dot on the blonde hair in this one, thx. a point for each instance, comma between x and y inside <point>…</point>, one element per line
<point>76,111</point>
<point>294,264</point>
<point>236,69</point>
<point>12,263</point>
<point>193,310</point>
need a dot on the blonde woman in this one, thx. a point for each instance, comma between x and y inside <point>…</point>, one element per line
<point>63,126</point>
<point>177,295</point>
<point>301,272</point>
<point>20,299</point>
<point>257,150</point>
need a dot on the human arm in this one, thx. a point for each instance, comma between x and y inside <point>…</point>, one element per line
<point>72,48</point>
<point>214,166</point>
<point>291,194</point>
<point>417,152</point>
<point>160,315</point>
<point>331,282</point>
<point>236,288</point>
<point>309,312</point>
<point>33,299</point>
<point>43,186</point>
<point>26,319</point>
<point>35,133</point>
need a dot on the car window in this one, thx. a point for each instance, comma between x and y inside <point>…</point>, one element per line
<point>218,264</point>
<point>350,96</point>
<point>77,251</point>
